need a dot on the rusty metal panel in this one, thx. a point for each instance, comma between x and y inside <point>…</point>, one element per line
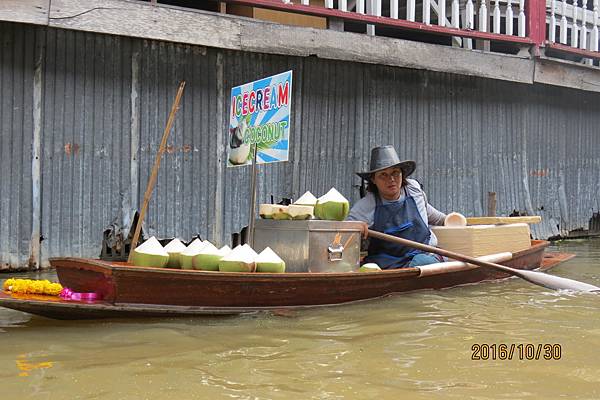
<point>17,59</point>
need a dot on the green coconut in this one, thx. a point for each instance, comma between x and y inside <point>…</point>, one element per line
<point>266,210</point>
<point>307,199</point>
<point>269,261</point>
<point>240,259</point>
<point>281,212</point>
<point>369,267</point>
<point>150,254</point>
<point>332,206</point>
<point>304,207</point>
<point>174,248</point>
<point>300,212</point>
<point>209,257</point>
<point>187,256</point>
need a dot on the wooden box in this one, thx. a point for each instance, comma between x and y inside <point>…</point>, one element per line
<point>281,17</point>
<point>480,240</point>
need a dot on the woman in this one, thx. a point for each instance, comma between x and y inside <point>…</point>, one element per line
<point>397,206</point>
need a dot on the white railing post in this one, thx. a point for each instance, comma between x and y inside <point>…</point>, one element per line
<point>455,16</point>
<point>370,9</point>
<point>328,3</point>
<point>594,37</point>
<point>496,16</point>
<point>305,3</point>
<point>522,22</point>
<point>468,22</point>
<point>552,24</point>
<point>563,23</point>
<point>427,12</point>
<point>583,33</point>
<point>483,17</point>
<point>574,28</point>
<point>410,10</point>
<point>470,11</point>
<point>442,12</point>
<point>360,6</point>
<point>509,18</point>
<point>342,5</point>
<point>394,9</point>
<point>373,8</point>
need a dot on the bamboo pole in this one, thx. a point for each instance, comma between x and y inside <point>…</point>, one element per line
<point>154,174</point>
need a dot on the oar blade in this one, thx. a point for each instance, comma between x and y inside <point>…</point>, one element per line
<point>556,282</point>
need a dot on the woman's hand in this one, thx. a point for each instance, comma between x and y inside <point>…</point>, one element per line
<point>364,229</point>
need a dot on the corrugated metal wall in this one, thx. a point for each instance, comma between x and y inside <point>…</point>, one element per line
<point>105,100</point>
<point>17,60</point>
<point>86,138</point>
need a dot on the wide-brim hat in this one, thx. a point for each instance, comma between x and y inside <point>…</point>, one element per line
<point>384,157</point>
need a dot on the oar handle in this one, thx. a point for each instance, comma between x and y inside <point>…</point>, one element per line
<point>441,252</point>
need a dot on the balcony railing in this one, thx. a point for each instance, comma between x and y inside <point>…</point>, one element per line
<point>567,29</point>
<point>573,27</point>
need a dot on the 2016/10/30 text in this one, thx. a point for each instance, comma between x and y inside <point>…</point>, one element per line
<point>521,351</point>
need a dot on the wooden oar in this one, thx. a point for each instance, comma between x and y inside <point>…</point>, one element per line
<point>537,278</point>
<point>154,174</point>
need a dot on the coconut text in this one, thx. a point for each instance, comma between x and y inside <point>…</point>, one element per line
<point>267,133</point>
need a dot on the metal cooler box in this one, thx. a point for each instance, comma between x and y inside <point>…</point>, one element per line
<point>311,245</point>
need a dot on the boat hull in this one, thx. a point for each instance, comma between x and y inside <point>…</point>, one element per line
<point>119,283</point>
<point>129,291</point>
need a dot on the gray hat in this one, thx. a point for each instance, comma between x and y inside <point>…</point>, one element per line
<point>385,157</point>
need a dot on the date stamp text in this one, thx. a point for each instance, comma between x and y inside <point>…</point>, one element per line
<point>513,351</point>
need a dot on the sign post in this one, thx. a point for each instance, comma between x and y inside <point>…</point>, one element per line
<point>259,128</point>
<point>252,199</point>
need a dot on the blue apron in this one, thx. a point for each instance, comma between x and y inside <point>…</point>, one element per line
<point>401,219</point>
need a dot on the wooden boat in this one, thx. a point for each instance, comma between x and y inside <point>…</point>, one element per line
<point>128,291</point>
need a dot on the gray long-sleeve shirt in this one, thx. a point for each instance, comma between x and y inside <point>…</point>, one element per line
<point>364,209</point>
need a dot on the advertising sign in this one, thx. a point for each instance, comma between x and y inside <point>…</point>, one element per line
<point>260,114</point>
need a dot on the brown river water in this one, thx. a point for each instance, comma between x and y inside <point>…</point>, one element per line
<point>414,346</point>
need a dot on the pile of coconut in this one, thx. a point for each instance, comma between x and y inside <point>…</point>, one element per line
<point>205,256</point>
<point>331,206</point>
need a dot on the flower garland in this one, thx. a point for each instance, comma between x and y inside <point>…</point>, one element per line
<point>32,286</point>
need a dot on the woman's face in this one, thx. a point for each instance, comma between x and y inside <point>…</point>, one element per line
<point>388,182</point>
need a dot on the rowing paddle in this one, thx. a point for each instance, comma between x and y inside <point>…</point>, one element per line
<point>537,278</point>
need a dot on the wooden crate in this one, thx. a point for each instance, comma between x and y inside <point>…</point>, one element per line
<point>286,18</point>
<point>480,240</point>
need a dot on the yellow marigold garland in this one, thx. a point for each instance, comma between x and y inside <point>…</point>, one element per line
<point>32,286</point>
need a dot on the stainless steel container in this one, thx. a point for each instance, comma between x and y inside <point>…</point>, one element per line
<point>312,245</point>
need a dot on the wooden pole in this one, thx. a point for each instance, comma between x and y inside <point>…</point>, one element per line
<point>154,174</point>
<point>491,204</point>
<point>252,198</point>
<point>536,23</point>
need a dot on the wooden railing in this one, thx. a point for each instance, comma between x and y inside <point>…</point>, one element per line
<point>464,18</point>
<point>573,27</point>
<point>567,28</point>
